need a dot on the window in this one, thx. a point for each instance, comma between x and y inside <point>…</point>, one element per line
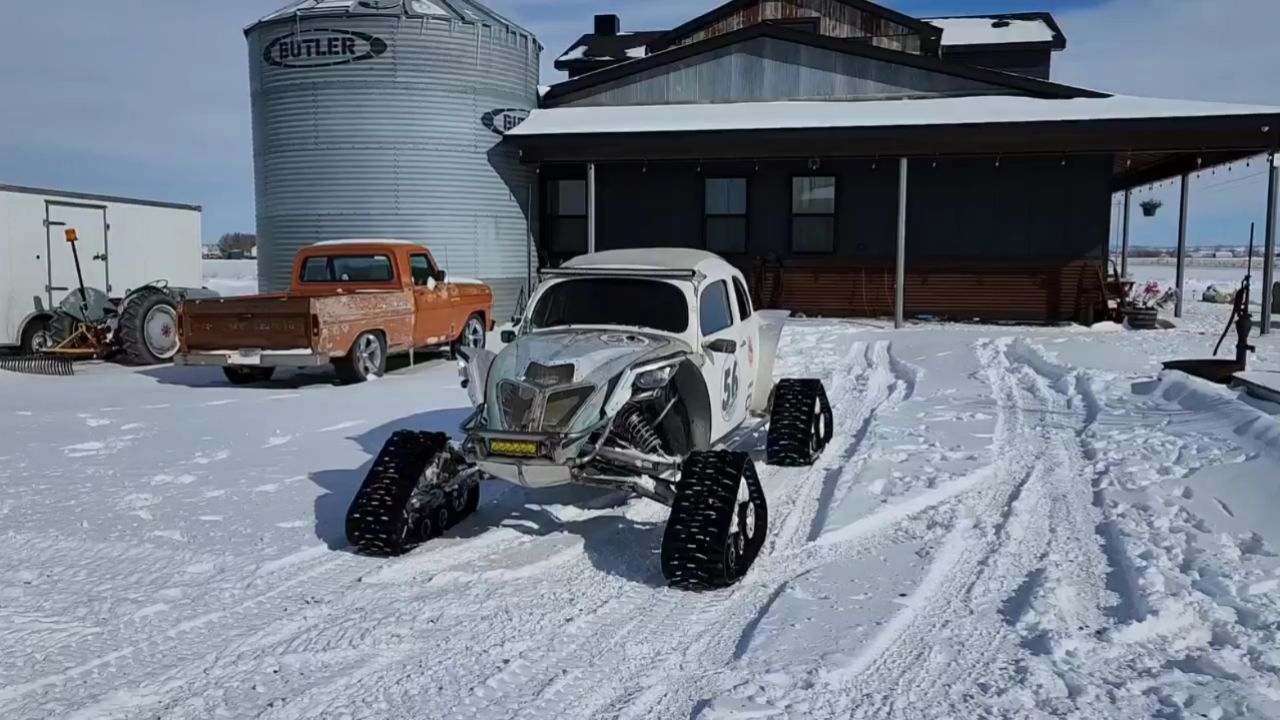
<point>813,214</point>
<point>726,215</point>
<point>347,268</point>
<point>423,271</point>
<point>567,216</point>
<point>713,311</point>
<point>613,301</point>
<point>744,299</point>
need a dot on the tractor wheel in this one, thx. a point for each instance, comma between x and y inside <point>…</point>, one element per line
<point>37,337</point>
<point>148,328</point>
<point>367,358</point>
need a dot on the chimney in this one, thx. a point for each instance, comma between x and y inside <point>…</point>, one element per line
<point>608,25</point>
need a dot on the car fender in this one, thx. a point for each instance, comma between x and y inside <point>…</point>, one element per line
<point>771,327</point>
<point>473,369</point>
<point>692,389</point>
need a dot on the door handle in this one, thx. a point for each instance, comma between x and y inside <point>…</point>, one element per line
<point>51,288</point>
<point>100,257</point>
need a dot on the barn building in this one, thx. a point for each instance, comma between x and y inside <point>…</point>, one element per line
<point>856,161</point>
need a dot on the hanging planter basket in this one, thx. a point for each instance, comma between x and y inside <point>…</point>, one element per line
<point>1149,207</point>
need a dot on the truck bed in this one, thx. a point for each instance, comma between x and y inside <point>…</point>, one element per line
<point>261,322</point>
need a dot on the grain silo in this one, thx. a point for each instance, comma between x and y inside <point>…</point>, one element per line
<point>382,119</point>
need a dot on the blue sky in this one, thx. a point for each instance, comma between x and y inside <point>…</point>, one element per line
<point>150,97</point>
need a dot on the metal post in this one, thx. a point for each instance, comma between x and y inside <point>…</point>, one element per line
<point>1269,252</point>
<point>591,207</point>
<point>1182,243</point>
<point>1124,239</point>
<point>899,301</point>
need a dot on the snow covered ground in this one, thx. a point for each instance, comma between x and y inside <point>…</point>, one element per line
<point>231,277</point>
<point>1011,522</point>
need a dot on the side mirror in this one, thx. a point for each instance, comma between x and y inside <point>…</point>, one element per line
<point>440,275</point>
<point>724,346</point>
<point>508,336</point>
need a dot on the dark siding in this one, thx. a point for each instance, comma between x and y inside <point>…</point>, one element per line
<point>766,69</point>
<point>1032,63</point>
<point>836,19</point>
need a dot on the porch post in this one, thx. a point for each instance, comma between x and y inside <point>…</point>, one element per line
<point>1124,239</point>
<point>899,301</point>
<point>1269,253</point>
<point>1182,243</point>
<point>591,207</point>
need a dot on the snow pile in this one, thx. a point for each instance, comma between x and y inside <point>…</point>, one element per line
<point>231,277</point>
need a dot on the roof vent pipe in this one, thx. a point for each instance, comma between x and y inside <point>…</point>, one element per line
<point>608,25</point>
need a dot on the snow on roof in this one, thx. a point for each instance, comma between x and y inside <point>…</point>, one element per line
<point>873,113</point>
<point>657,258</point>
<point>992,30</point>
<point>575,54</point>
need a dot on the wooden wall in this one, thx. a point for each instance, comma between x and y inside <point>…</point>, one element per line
<point>767,69</point>
<point>837,19</point>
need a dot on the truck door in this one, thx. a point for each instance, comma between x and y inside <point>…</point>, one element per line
<point>90,224</point>
<point>723,372</point>
<point>431,303</point>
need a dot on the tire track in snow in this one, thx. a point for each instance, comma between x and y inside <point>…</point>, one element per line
<point>954,631</point>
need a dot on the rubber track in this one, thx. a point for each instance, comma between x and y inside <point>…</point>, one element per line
<point>791,423</point>
<point>378,515</point>
<point>701,517</point>
<point>133,342</point>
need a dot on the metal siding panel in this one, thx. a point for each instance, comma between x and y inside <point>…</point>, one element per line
<point>394,146</point>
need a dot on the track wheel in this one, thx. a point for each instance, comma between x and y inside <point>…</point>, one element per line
<point>718,522</point>
<point>407,498</point>
<point>800,424</point>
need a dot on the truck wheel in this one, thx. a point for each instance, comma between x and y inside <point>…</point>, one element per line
<point>37,337</point>
<point>367,358</point>
<point>247,375</point>
<point>405,499</point>
<point>473,335</point>
<point>800,424</point>
<point>148,328</point>
<point>718,522</point>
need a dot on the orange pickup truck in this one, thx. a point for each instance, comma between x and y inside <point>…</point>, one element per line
<point>351,303</point>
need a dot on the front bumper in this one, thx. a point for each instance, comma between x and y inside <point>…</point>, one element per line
<point>250,358</point>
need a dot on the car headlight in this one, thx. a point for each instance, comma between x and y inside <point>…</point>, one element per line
<point>654,379</point>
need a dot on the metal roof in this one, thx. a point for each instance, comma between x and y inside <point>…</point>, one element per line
<point>95,197</point>
<point>467,11</point>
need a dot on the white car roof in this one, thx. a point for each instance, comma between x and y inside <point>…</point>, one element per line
<point>657,259</point>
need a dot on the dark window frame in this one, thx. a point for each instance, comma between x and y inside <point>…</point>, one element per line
<point>553,214</point>
<point>391,263</point>
<point>742,298</point>
<point>792,214</point>
<point>745,215</point>
<point>728,300</point>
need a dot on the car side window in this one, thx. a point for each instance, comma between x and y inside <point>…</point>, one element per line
<point>714,312</point>
<point>744,299</point>
<point>420,265</point>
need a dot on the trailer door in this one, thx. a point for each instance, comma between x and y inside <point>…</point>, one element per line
<point>90,224</point>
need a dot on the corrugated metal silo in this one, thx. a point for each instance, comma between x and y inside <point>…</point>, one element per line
<point>382,119</point>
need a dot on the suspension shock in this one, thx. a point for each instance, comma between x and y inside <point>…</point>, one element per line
<point>634,428</point>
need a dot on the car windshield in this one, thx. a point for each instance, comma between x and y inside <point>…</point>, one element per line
<point>613,301</point>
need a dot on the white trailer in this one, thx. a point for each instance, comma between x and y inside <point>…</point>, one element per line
<point>124,244</point>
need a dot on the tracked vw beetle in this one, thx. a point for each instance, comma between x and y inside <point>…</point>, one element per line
<point>635,370</point>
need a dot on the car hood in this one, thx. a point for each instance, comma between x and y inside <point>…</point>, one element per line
<point>551,360</point>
